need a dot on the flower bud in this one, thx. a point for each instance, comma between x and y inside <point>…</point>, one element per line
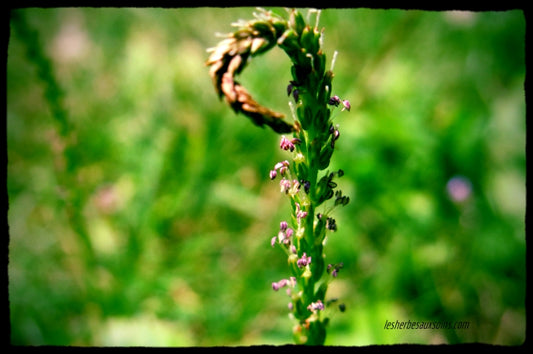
<point>296,95</point>
<point>280,284</point>
<point>331,224</point>
<point>289,232</point>
<point>334,101</point>
<point>346,105</point>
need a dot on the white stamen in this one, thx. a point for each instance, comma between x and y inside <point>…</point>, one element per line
<point>239,23</point>
<point>317,18</point>
<point>309,15</point>
<point>317,11</point>
<point>333,60</point>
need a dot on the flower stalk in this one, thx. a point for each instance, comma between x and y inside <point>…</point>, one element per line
<point>303,177</point>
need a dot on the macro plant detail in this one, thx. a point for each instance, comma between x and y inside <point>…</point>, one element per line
<point>304,176</point>
<point>144,207</point>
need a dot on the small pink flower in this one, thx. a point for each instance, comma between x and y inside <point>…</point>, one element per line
<point>281,167</point>
<point>302,262</point>
<point>316,306</point>
<point>286,144</point>
<point>300,214</point>
<point>281,164</point>
<point>346,105</point>
<point>284,282</point>
<point>285,185</point>
<point>280,284</point>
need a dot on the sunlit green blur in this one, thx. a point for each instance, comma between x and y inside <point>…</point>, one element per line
<point>146,217</point>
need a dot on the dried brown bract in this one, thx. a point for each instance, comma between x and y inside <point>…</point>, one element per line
<point>230,57</point>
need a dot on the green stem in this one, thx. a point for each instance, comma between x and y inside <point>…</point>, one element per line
<point>311,89</point>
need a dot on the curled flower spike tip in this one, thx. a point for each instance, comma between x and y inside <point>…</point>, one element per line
<point>230,57</point>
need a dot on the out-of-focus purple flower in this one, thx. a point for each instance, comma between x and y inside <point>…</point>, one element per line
<point>273,174</point>
<point>459,188</point>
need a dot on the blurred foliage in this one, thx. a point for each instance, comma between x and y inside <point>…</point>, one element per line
<point>140,208</point>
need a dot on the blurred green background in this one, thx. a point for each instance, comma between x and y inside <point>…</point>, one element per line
<point>140,208</point>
